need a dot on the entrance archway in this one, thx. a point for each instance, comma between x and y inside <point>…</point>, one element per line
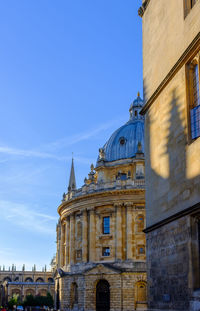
<point>103,296</point>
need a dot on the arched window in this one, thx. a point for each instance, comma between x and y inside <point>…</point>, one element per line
<point>50,280</point>
<point>43,292</point>
<point>141,292</point>
<point>103,296</point>
<point>74,294</point>
<point>140,223</point>
<point>16,279</point>
<point>16,293</point>
<point>30,292</point>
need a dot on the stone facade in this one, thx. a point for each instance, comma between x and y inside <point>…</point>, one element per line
<point>171,49</point>
<point>24,283</point>
<point>101,252</point>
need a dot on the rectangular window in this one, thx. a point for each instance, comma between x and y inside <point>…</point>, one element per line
<point>139,171</point>
<point>141,249</point>
<point>106,225</point>
<point>106,251</point>
<point>194,105</point>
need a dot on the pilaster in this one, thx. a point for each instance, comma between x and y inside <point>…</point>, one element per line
<point>72,236</point>
<point>118,248</point>
<point>62,245</point>
<point>92,250</point>
<point>129,230</point>
<point>67,239</point>
<point>85,236</point>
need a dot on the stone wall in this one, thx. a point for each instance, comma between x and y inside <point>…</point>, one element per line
<point>172,164</point>
<point>123,292</point>
<point>169,265</point>
<point>166,35</point>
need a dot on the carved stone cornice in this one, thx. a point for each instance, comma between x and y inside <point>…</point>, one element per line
<point>189,53</point>
<point>111,193</point>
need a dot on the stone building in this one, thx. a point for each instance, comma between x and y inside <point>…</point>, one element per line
<point>171,56</point>
<point>23,283</point>
<point>100,241</point>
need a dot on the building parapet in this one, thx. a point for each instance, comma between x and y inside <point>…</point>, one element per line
<point>103,186</point>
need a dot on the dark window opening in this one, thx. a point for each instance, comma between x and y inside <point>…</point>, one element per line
<point>106,225</point>
<point>141,251</point>
<point>122,140</point>
<point>106,251</point>
<point>121,176</point>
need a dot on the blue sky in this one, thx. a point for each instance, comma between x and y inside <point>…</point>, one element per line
<point>69,72</point>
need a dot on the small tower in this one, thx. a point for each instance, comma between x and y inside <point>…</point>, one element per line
<point>135,108</point>
<point>72,179</point>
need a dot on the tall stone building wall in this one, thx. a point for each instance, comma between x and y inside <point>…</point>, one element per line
<point>166,36</point>
<point>171,55</point>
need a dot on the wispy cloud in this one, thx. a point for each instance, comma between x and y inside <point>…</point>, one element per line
<point>68,141</point>
<point>28,153</point>
<point>58,144</point>
<point>37,154</point>
<point>27,218</point>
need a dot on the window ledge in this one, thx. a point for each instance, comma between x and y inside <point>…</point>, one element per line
<point>105,237</point>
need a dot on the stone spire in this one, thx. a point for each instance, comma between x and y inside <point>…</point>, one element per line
<point>72,179</point>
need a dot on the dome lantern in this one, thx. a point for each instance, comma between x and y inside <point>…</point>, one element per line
<point>135,108</point>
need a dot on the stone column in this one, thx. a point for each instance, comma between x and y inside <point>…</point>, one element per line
<point>92,250</point>
<point>67,236</point>
<point>58,245</point>
<point>62,245</point>
<point>129,231</point>
<point>85,236</point>
<point>72,240</point>
<point>118,248</point>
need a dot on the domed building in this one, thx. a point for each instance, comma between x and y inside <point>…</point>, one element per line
<point>100,241</point>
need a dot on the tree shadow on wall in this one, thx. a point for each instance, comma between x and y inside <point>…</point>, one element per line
<point>168,255</point>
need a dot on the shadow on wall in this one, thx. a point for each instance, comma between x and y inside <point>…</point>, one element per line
<point>171,260</point>
<point>170,192</point>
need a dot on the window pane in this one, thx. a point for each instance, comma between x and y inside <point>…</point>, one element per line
<point>106,225</point>
<point>195,112</point>
<point>195,122</point>
<point>196,86</point>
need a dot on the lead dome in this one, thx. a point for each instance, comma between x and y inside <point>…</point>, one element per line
<point>128,140</point>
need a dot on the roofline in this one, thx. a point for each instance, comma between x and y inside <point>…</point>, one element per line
<point>189,52</point>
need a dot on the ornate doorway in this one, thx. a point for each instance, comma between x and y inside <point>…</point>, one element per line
<point>102,296</point>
